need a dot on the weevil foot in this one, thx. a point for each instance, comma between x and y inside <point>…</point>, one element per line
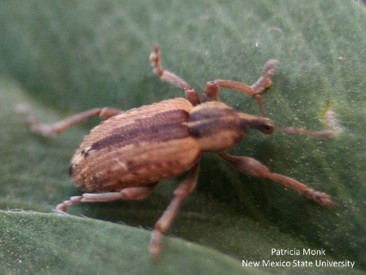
<point>270,67</point>
<point>40,128</point>
<point>321,198</point>
<point>155,60</point>
<point>155,245</point>
<point>63,207</point>
<point>35,126</point>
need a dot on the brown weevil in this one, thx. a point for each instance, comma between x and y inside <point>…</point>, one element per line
<point>128,153</point>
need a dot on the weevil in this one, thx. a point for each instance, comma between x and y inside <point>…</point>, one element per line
<point>130,152</point>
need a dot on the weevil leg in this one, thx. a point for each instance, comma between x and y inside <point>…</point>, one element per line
<point>252,167</point>
<point>257,89</point>
<point>172,78</point>
<point>163,224</point>
<point>127,194</point>
<point>61,126</point>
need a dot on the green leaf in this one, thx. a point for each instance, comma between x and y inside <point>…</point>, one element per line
<point>68,245</point>
<point>67,56</point>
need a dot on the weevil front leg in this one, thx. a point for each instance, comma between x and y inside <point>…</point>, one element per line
<point>172,78</point>
<point>257,89</point>
<point>61,126</point>
<point>163,224</point>
<point>252,167</point>
<point>127,194</point>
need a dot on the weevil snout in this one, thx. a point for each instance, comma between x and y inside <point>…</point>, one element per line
<point>264,125</point>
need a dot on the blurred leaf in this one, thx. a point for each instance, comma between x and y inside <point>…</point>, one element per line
<point>72,55</point>
<point>85,246</point>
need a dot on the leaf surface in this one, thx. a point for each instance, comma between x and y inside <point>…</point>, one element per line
<point>67,56</point>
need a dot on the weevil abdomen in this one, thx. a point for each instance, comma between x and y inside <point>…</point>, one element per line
<point>138,147</point>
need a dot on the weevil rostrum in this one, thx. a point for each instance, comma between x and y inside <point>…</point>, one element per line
<point>128,153</point>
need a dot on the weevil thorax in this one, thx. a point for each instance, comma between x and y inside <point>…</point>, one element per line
<point>215,125</point>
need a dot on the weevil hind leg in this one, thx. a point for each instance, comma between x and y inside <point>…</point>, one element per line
<point>252,167</point>
<point>63,125</point>
<point>257,89</point>
<point>172,78</point>
<point>163,224</point>
<point>127,194</point>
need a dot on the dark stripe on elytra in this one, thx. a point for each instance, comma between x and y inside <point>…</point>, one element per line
<point>160,127</point>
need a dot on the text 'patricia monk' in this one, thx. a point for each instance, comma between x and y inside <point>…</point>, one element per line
<point>297,252</point>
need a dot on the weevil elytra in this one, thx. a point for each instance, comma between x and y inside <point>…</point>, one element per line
<point>128,153</point>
